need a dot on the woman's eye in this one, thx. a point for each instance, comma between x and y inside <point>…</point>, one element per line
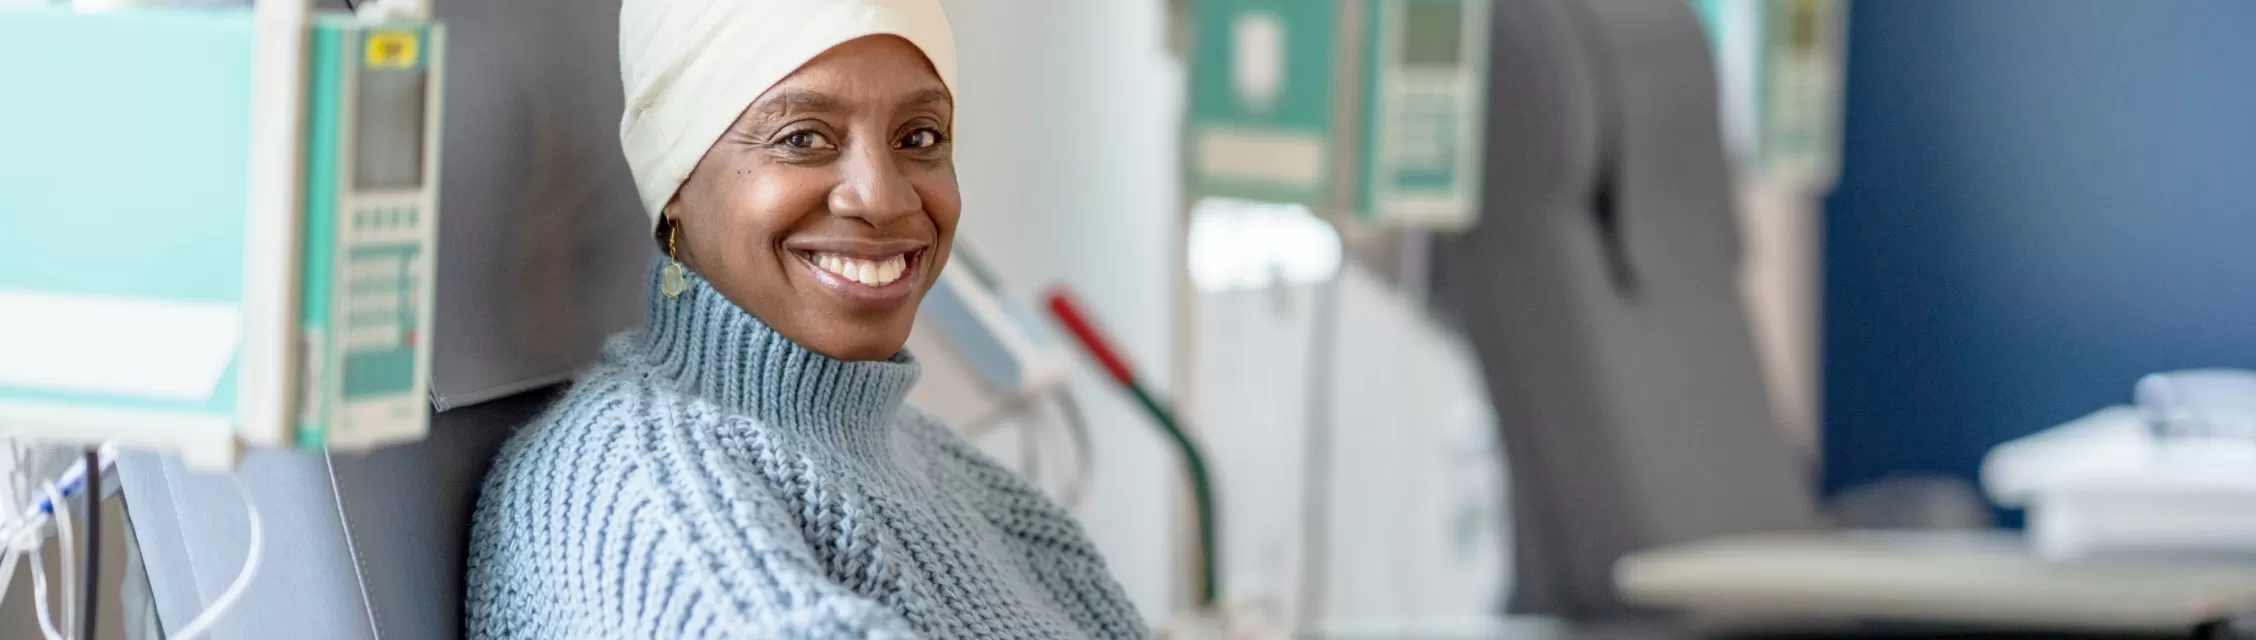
<point>805,140</point>
<point>920,139</point>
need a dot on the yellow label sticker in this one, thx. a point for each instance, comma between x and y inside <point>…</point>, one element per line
<point>392,49</point>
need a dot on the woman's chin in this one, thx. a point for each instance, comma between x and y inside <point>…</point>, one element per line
<point>857,341</point>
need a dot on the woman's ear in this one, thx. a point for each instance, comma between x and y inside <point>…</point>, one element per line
<point>658,233</point>
<point>663,232</point>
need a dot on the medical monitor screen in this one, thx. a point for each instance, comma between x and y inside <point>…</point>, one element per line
<point>388,129</point>
<point>1432,33</point>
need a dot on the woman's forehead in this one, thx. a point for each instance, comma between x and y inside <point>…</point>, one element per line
<point>871,70</point>
<point>789,98</point>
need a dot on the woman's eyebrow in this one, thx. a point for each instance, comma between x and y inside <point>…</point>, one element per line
<point>798,101</point>
<point>929,97</point>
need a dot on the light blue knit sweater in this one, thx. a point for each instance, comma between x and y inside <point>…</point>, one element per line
<point>711,479</point>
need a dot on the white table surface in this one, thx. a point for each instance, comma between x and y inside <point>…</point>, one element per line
<point>1973,578</point>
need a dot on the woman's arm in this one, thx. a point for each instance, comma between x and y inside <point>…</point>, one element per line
<point>637,575</point>
<point>576,539</point>
<point>742,570</point>
<point>776,593</point>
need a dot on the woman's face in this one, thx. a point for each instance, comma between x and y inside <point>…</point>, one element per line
<point>827,209</point>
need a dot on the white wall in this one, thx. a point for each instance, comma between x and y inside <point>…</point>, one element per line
<point>1414,525</point>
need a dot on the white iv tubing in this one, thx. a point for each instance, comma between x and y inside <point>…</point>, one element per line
<point>39,570</point>
<point>226,600</point>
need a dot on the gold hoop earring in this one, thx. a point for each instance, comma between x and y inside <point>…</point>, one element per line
<point>675,278</point>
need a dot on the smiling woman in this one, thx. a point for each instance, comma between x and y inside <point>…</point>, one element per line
<point>744,466</point>
<point>827,208</point>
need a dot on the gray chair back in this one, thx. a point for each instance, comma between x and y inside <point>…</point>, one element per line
<point>1600,290</point>
<point>355,547</point>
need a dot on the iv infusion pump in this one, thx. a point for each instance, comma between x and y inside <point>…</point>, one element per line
<point>1375,108</point>
<point>146,299</point>
<point>1430,90</point>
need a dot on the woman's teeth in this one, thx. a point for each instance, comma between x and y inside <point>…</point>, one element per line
<point>875,273</point>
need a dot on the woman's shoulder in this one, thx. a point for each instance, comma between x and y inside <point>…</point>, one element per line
<point>593,438</point>
<point>564,499</point>
<point>979,475</point>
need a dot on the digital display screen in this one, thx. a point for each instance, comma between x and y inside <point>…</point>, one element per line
<point>388,129</point>
<point>1801,26</point>
<point>1432,33</point>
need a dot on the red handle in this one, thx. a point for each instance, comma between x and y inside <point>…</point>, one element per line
<point>1068,313</point>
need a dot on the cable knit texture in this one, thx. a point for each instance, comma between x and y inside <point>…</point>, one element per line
<point>711,479</point>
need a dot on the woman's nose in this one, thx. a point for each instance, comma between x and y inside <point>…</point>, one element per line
<point>873,188</point>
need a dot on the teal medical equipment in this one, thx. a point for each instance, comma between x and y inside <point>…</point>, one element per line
<point>1365,107</point>
<point>1801,78</point>
<point>217,227</point>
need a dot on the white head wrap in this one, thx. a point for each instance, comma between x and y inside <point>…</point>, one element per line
<point>690,67</point>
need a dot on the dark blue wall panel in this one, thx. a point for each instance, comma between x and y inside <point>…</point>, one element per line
<point>2040,201</point>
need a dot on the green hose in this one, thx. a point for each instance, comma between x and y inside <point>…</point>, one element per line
<point>1202,493</point>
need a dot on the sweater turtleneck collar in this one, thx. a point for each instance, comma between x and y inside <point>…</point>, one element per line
<point>719,352</point>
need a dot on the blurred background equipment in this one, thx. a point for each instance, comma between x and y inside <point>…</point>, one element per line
<point>1594,270</point>
<point>2171,475</point>
<point>1366,112</point>
<point>1367,108</point>
<point>227,301</point>
<point>221,233</point>
<point>257,282</point>
<point>1363,117</point>
<point>542,256</point>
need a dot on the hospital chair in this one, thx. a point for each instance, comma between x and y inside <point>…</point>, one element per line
<point>542,256</point>
<point>1600,291</point>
